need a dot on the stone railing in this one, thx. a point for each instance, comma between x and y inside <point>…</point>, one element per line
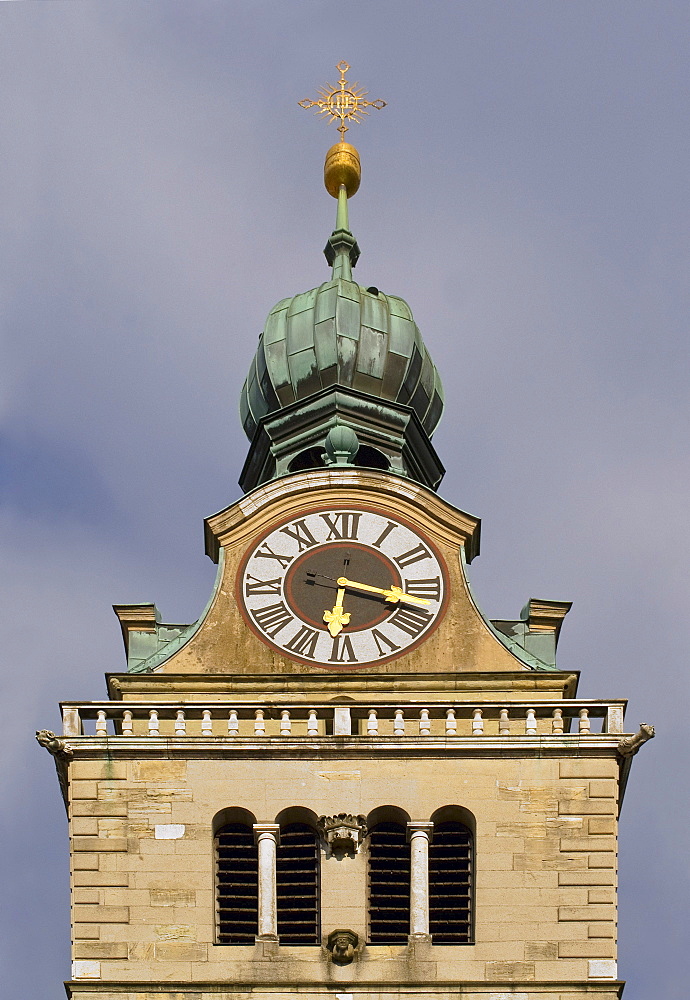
<point>372,719</point>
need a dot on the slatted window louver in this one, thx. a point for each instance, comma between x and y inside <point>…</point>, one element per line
<point>297,884</point>
<point>237,884</point>
<point>450,884</point>
<point>389,884</point>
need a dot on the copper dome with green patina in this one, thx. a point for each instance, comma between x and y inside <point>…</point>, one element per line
<point>341,354</point>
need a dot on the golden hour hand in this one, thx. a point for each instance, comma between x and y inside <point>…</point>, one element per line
<point>336,618</point>
<point>393,595</point>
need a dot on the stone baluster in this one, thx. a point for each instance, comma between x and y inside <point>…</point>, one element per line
<point>477,722</point>
<point>531,722</point>
<point>233,723</point>
<point>154,723</point>
<point>399,723</point>
<point>504,722</point>
<point>312,723</point>
<point>285,723</point>
<point>259,723</point>
<point>101,723</point>
<point>451,722</point>
<point>206,723</point>
<point>419,834</point>
<point>267,837</point>
<point>180,723</point>
<point>127,726</point>
<point>424,722</point>
<point>372,723</point>
<point>557,722</point>
<point>584,721</point>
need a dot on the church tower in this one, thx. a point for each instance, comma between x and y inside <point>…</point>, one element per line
<point>343,780</point>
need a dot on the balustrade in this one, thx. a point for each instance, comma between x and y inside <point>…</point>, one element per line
<point>383,720</point>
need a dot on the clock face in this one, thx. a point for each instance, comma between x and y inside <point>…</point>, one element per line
<point>342,587</point>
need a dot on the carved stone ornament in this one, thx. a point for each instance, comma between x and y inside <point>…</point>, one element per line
<point>343,831</point>
<point>629,745</point>
<point>53,744</point>
<point>342,945</point>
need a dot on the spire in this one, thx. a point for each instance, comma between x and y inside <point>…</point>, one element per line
<point>345,102</point>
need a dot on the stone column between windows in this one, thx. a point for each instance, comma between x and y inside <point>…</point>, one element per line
<point>419,834</point>
<point>267,837</point>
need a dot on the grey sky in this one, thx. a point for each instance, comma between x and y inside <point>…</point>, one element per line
<point>525,190</point>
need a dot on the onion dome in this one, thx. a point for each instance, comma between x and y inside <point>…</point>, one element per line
<point>341,354</point>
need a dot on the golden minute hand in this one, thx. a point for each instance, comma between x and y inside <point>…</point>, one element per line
<point>336,618</point>
<point>393,594</point>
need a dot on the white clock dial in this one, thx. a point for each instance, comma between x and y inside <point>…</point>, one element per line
<point>342,587</point>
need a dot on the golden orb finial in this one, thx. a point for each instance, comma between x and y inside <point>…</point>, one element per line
<point>342,166</point>
<point>346,102</point>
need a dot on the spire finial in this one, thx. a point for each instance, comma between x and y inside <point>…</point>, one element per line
<point>345,102</point>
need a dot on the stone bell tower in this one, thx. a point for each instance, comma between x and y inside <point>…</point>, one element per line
<point>343,779</point>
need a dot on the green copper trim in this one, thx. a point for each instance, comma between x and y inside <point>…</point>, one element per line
<point>518,651</point>
<point>154,661</point>
<point>341,250</point>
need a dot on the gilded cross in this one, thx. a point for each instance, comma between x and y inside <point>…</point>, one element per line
<point>345,102</point>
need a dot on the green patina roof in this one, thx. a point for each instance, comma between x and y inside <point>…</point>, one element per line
<point>341,334</point>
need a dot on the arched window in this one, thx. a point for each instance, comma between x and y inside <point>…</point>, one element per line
<point>389,884</point>
<point>237,884</point>
<point>297,885</point>
<point>450,883</point>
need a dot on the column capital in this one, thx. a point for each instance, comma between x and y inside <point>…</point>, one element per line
<point>416,827</point>
<point>261,829</point>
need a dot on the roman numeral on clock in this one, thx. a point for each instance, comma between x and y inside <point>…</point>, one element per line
<point>412,556</point>
<point>253,586</point>
<point>342,651</point>
<point>429,589</point>
<point>302,535</point>
<point>266,552</point>
<point>411,620</point>
<point>304,643</point>
<point>272,618</point>
<point>342,525</point>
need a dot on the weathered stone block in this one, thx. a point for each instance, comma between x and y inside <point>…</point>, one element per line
<point>83,790</point>
<point>590,912</point>
<point>85,896</point>
<point>601,896</point>
<point>603,859</point>
<point>586,949</point>
<point>601,824</point>
<point>97,807</point>
<point>99,844</point>
<point>586,807</point>
<point>103,770</point>
<point>87,932</point>
<point>587,767</point>
<point>101,914</point>
<point>539,950</point>
<point>159,770</point>
<point>575,844</point>
<point>605,929</point>
<point>510,971</point>
<point>601,876</point>
<point>181,951</point>
<point>603,788</point>
<point>100,949</point>
<point>97,878</point>
<point>86,826</point>
<point>84,862</point>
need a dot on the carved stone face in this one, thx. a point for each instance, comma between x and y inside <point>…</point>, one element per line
<point>342,944</point>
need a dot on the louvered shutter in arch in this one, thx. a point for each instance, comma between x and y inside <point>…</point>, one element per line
<point>389,884</point>
<point>450,884</point>
<point>237,884</point>
<point>297,884</point>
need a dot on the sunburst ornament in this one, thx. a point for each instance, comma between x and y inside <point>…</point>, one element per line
<point>345,102</point>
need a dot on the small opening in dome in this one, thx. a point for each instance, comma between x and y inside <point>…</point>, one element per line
<point>312,458</point>
<point>372,458</point>
<point>373,290</point>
